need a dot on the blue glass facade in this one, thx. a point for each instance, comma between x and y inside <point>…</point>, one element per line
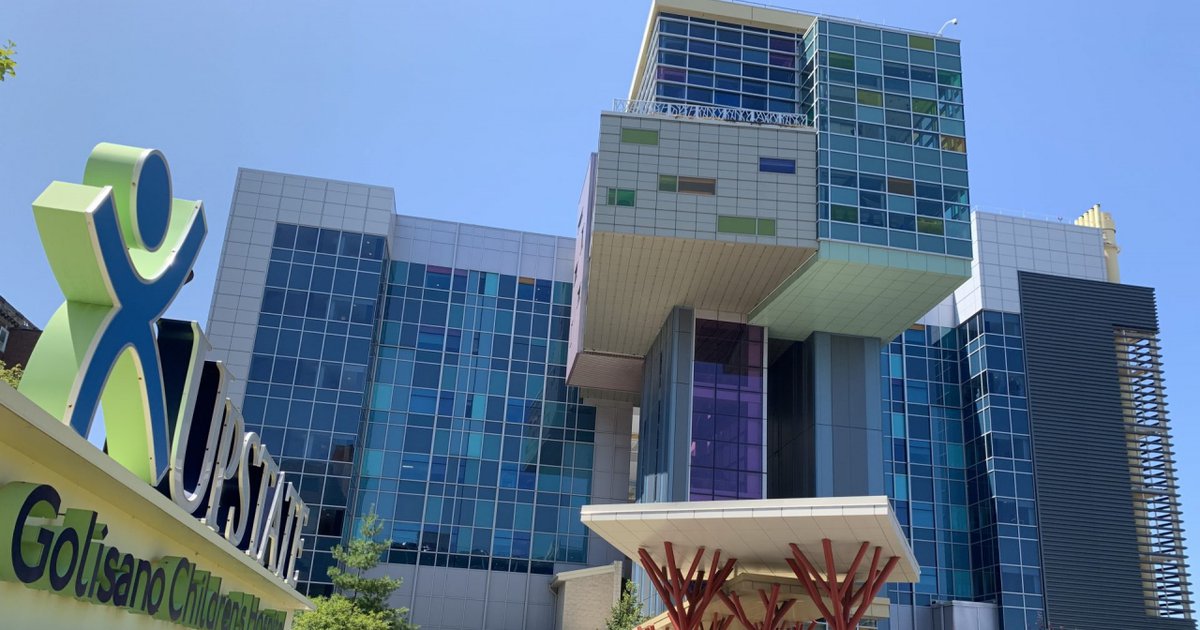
<point>308,374</point>
<point>1001,485</point>
<point>926,467</point>
<point>719,63</point>
<point>892,165</point>
<point>475,449</point>
<point>960,469</point>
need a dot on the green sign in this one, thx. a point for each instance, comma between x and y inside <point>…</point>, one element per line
<point>68,555</point>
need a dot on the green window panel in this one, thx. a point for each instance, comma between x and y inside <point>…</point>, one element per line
<point>924,106</point>
<point>622,197</point>
<point>737,225</point>
<point>668,183</point>
<point>947,77</point>
<point>870,97</point>
<point>766,227</point>
<point>849,214</point>
<point>920,43</point>
<point>926,225</point>
<point>639,136</point>
<point>838,60</point>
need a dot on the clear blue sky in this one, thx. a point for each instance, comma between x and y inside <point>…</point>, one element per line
<point>485,112</point>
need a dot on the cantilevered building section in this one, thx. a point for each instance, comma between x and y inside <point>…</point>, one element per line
<point>714,204</point>
<point>777,264</point>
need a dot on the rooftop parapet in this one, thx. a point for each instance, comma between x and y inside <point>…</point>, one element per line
<point>709,112</point>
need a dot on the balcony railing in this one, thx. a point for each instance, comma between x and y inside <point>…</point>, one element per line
<point>710,112</point>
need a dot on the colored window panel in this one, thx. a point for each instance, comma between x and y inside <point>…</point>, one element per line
<point>776,165</point>
<point>621,197</point>
<point>668,183</point>
<point>848,214</point>
<point>926,225</point>
<point>900,186</point>
<point>728,412</point>
<point>953,143</point>
<point>697,185</point>
<point>869,97</point>
<point>737,225</point>
<point>948,77</point>
<point>839,60</point>
<point>920,43</point>
<point>766,227</point>
<point>924,106</point>
<point>639,136</point>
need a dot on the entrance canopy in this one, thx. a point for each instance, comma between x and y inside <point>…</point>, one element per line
<point>757,533</point>
<point>774,563</point>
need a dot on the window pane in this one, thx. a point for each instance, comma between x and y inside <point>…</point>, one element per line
<point>639,136</point>
<point>737,225</point>
<point>697,185</point>
<point>920,43</point>
<point>776,165</point>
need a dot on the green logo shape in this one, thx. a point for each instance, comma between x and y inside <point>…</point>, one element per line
<point>121,247</point>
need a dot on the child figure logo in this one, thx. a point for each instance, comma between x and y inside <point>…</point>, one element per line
<point>121,248</point>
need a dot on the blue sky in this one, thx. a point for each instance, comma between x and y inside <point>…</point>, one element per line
<point>485,112</point>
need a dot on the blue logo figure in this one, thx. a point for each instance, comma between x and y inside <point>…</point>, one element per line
<point>121,248</point>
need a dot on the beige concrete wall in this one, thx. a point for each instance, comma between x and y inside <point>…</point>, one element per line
<point>585,602</point>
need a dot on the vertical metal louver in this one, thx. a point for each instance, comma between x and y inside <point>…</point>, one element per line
<point>1152,475</point>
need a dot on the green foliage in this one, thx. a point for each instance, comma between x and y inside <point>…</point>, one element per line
<point>361,601</point>
<point>340,613</point>
<point>8,67</point>
<point>11,375</point>
<point>627,613</point>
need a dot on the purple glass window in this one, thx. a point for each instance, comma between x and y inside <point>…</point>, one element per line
<point>787,61</point>
<point>727,412</point>
<point>781,44</point>
<point>672,74</point>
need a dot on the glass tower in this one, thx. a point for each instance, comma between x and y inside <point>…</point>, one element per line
<point>888,105</point>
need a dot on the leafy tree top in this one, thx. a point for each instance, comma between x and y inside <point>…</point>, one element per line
<point>8,67</point>
<point>627,612</point>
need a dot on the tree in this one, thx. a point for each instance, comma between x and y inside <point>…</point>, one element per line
<point>627,613</point>
<point>360,602</point>
<point>8,67</point>
<point>339,613</point>
<point>11,375</point>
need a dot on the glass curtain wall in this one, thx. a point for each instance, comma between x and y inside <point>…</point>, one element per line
<point>728,412</point>
<point>476,452</point>
<point>308,372</point>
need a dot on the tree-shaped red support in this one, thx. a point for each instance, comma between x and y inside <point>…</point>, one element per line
<point>686,597</point>
<point>774,611</point>
<point>842,605</point>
